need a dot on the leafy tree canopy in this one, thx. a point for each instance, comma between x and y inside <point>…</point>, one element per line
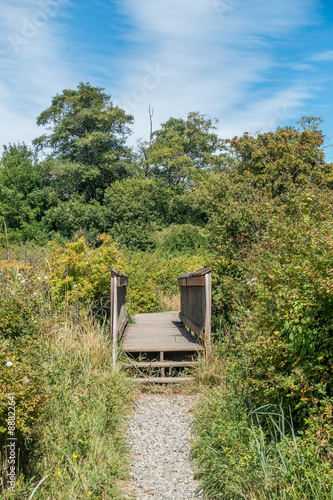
<point>284,158</point>
<point>85,126</point>
<point>182,149</point>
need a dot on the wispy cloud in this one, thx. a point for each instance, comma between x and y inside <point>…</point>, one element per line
<point>216,55</point>
<point>32,67</point>
<point>323,56</point>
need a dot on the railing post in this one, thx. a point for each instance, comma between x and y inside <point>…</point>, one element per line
<point>114,307</point>
<point>208,318</point>
<point>118,313</point>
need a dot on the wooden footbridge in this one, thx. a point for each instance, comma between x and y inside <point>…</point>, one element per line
<point>160,344</point>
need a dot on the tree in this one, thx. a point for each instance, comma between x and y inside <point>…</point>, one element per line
<point>134,208</point>
<point>270,218</point>
<point>23,197</point>
<point>182,150</point>
<point>284,158</point>
<point>86,128</point>
<point>76,214</point>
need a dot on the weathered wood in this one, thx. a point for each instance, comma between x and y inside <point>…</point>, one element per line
<point>208,301</point>
<point>156,348</point>
<point>118,313</point>
<point>161,364</point>
<point>196,281</point>
<point>114,318</point>
<point>195,290</point>
<point>162,371</point>
<point>158,332</point>
<point>163,380</point>
<point>187,322</point>
<point>122,326</point>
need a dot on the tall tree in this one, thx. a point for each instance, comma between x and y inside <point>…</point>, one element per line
<point>182,149</point>
<point>86,128</point>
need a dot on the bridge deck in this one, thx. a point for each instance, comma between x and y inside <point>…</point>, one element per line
<point>158,332</point>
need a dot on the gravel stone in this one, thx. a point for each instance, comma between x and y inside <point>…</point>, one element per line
<point>159,435</point>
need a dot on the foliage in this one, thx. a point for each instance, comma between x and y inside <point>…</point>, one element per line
<point>69,405</point>
<point>153,278</point>
<point>270,218</point>
<point>183,150</point>
<point>22,196</point>
<point>283,158</point>
<point>86,125</point>
<point>132,208</point>
<point>75,215</point>
<point>255,455</point>
<point>81,273</point>
<point>82,442</point>
<point>272,263</point>
<point>21,300</point>
<point>182,238</point>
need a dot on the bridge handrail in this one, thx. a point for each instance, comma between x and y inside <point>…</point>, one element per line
<point>118,313</point>
<point>196,303</point>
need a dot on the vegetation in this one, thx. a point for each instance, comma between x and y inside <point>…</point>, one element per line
<point>271,218</point>
<point>69,404</point>
<point>257,209</point>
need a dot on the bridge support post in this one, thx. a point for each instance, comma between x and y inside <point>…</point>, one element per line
<point>114,307</point>
<point>208,316</point>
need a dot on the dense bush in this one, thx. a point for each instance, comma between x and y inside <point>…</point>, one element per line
<point>270,218</point>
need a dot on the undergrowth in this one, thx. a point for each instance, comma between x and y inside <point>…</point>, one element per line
<point>70,403</point>
<point>242,452</point>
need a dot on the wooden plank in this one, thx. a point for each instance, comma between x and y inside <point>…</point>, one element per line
<point>137,349</point>
<point>195,281</point>
<point>163,380</point>
<point>162,372</point>
<point>194,328</point>
<point>111,306</point>
<point>200,272</point>
<point>114,319</point>
<point>182,281</point>
<point>161,364</point>
<point>123,326</point>
<point>158,332</point>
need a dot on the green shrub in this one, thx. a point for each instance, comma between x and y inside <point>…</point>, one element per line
<point>182,239</point>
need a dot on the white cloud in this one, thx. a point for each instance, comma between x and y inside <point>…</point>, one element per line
<point>215,56</point>
<point>323,56</point>
<point>31,65</point>
<point>212,56</point>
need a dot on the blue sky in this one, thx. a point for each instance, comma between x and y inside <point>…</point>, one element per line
<point>253,64</point>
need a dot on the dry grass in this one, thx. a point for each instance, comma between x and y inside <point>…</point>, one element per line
<point>171,303</point>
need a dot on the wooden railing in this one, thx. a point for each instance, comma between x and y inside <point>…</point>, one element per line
<point>118,312</point>
<point>196,303</point>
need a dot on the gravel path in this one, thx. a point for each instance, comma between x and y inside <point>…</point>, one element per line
<point>159,435</point>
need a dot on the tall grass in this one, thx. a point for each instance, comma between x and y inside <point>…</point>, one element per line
<point>78,449</point>
<point>82,443</point>
<point>255,455</point>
